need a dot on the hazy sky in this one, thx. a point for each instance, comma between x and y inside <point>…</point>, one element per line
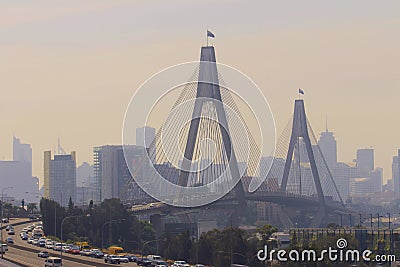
<point>69,68</point>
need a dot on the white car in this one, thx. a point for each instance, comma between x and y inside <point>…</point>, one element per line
<point>57,247</point>
<point>123,259</point>
<point>179,264</point>
<point>49,245</point>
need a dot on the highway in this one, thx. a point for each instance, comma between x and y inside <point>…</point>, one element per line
<point>28,254</point>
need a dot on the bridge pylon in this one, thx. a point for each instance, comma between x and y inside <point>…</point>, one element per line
<point>300,131</point>
<point>209,93</point>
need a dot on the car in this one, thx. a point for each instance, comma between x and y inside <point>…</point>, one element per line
<point>24,237</point>
<point>132,258</point>
<point>86,252</point>
<point>159,263</point>
<point>5,220</point>
<point>112,259</point>
<point>35,242</point>
<point>146,262</point>
<point>43,254</point>
<point>9,240</point>
<point>74,250</point>
<point>8,227</point>
<point>57,247</point>
<point>4,247</point>
<point>30,240</point>
<point>123,259</point>
<point>96,253</point>
<point>179,264</point>
<point>66,248</point>
<point>42,243</point>
<point>49,245</point>
<point>53,262</point>
<point>11,231</point>
<point>154,257</point>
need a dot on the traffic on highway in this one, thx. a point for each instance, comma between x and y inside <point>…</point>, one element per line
<point>32,248</point>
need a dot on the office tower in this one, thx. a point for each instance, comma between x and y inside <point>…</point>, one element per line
<point>376,179</point>
<point>111,173</point>
<point>344,172</point>
<point>60,177</point>
<point>328,146</point>
<point>17,174</point>
<point>396,172</point>
<point>21,152</point>
<point>365,161</point>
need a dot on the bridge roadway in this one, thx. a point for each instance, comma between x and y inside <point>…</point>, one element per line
<point>277,197</point>
<point>26,254</point>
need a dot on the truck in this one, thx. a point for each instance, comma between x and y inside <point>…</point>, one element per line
<point>82,245</point>
<point>115,250</point>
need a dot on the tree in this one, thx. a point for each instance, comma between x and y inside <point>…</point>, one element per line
<point>31,207</point>
<point>70,204</point>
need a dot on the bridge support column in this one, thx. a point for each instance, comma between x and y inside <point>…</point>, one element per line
<point>158,223</point>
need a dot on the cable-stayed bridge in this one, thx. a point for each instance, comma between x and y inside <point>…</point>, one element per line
<point>207,146</point>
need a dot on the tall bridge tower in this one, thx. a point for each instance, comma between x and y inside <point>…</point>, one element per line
<point>209,93</point>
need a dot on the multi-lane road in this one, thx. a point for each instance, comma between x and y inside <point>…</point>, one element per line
<point>26,254</point>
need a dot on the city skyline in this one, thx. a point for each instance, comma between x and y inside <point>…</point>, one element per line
<point>86,76</point>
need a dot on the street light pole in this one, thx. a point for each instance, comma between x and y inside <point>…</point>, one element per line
<point>144,245</point>
<point>389,219</point>
<point>62,223</point>
<point>379,218</point>
<point>102,229</point>
<point>1,223</point>
<point>370,215</point>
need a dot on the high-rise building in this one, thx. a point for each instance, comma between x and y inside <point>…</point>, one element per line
<point>145,136</point>
<point>21,152</point>
<point>60,177</point>
<point>328,146</point>
<point>396,172</point>
<point>17,174</point>
<point>112,173</point>
<point>376,177</point>
<point>344,172</point>
<point>365,161</point>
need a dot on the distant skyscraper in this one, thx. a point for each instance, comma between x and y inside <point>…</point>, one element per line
<point>17,174</point>
<point>396,172</point>
<point>343,174</point>
<point>365,161</point>
<point>60,177</point>
<point>111,171</point>
<point>145,135</point>
<point>21,152</point>
<point>328,146</point>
